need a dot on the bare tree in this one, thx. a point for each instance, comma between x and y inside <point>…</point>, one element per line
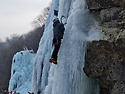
<point>11,46</point>
<point>16,43</point>
<point>41,18</point>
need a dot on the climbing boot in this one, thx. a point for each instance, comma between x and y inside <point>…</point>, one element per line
<point>55,62</point>
<point>51,60</point>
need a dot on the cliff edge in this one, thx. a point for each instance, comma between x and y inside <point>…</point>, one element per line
<point>104,59</point>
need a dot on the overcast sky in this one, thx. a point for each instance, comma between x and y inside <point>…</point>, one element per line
<point>16,15</point>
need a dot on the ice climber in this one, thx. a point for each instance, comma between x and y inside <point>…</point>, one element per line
<point>10,92</point>
<point>58,31</point>
<point>38,92</point>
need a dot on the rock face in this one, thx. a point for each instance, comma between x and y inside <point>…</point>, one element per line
<point>102,4</point>
<point>113,23</point>
<point>106,61</point>
<point>111,16</point>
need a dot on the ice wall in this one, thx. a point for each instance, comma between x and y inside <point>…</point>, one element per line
<point>21,72</point>
<point>67,76</point>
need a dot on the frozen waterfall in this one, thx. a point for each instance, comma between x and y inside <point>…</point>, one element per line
<point>21,72</point>
<point>67,77</point>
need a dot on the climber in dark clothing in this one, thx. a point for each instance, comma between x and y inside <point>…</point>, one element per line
<point>58,31</point>
<point>38,92</point>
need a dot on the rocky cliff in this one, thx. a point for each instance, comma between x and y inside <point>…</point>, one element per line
<point>105,59</point>
<point>111,16</point>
